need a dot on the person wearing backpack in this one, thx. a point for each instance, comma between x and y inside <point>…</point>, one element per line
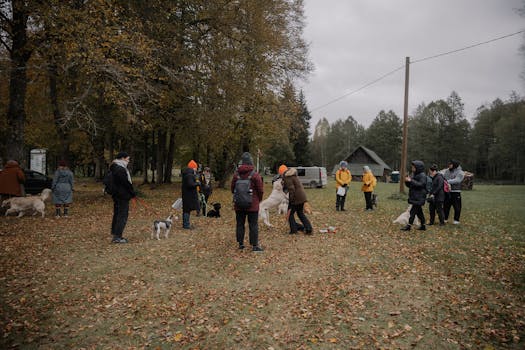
<point>454,175</point>
<point>436,196</point>
<point>122,192</point>
<point>190,197</point>
<point>247,189</point>
<point>417,193</point>
<point>297,198</point>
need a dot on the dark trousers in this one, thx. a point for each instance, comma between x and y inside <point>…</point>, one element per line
<point>299,209</point>
<point>340,201</point>
<point>416,210</point>
<point>434,207</point>
<point>120,216</point>
<point>368,200</point>
<point>452,199</point>
<point>253,226</point>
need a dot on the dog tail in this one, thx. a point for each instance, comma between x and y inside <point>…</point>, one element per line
<point>46,193</point>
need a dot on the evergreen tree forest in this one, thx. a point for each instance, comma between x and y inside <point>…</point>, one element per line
<point>492,146</point>
<point>170,81</point>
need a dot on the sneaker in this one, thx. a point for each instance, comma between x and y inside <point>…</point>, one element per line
<point>256,248</point>
<point>119,240</point>
<point>456,222</point>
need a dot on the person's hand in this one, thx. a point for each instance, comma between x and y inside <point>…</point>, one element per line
<point>408,179</point>
<point>345,185</point>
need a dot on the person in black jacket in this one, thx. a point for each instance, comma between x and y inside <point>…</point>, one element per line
<point>437,196</point>
<point>190,197</point>
<point>121,196</point>
<point>417,193</point>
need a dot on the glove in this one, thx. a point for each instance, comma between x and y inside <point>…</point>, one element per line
<point>345,185</point>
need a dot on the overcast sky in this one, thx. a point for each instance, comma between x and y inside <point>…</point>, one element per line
<point>354,42</point>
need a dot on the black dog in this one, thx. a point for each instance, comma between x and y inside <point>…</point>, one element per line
<point>215,212</point>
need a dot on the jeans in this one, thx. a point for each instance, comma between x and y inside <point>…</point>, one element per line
<point>299,209</point>
<point>253,225</point>
<point>120,216</point>
<point>452,199</point>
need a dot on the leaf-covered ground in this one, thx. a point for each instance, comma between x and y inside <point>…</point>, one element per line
<point>367,286</point>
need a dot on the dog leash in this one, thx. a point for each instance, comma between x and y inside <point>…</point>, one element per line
<point>136,199</point>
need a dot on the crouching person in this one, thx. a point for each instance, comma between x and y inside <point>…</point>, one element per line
<point>297,198</point>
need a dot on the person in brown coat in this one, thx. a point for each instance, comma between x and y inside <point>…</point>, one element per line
<point>11,179</point>
<point>297,198</point>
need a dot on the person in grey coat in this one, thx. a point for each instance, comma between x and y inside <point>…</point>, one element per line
<point>62,188</point>
<point>454,175</point>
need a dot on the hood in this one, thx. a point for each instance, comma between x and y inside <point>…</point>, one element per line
<point>188,171</point>
<point>419,165</point>
<point>290,172</point>
<point>11,164</point>
<point>245,169</point>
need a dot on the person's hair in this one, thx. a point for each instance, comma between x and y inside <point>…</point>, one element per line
<point>433,167</point>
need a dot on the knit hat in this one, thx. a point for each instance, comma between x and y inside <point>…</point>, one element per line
<point>192,164</point>
<point>282,169</point>
<point>344,164</point>
<point>366,168</point>
<point>61,163</point>
<point>122,155</point>
<point>246,159</point>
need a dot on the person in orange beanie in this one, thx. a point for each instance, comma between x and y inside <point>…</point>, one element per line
<point>190,198</point>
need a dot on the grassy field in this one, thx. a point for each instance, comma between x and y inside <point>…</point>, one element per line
<point>367,286</point>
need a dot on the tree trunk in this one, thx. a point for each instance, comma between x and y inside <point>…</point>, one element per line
<point>169,159</point>
<point>20,54</point>
<point>145,162</point>
<point>61,130</point>
<point>161,151</point>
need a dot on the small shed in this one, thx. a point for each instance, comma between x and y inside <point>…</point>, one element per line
<point>362,156</point>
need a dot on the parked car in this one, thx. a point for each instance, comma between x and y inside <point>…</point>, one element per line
<point>36,182</point>
<point>312,176</point>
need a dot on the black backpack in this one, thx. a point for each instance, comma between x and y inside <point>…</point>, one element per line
<point>242,193</point>
<point>109,183</point>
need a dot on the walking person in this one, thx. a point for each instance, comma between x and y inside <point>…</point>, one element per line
<point>369,184</point>
<point>343,177</point>
<point>190,196</point>
<point>11,180</point>
<point>297,198</point>
<point>122,193</point>
<point>417,193</point>
<point>454,175</point>
<point>62,188</point>
<point>437,196</point>
<point>246,171</point>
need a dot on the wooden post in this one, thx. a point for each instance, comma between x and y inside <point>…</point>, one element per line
<point>404,144</point>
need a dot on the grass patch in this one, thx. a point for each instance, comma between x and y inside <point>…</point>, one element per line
<point>63,285</point>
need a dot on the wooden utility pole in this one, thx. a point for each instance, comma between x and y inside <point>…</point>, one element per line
<point>404,144</point>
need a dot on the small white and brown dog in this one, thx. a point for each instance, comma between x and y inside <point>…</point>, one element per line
<point>403,218</point>
<point>162,225</point>
<point>277,199</point>
<point>26,205</point>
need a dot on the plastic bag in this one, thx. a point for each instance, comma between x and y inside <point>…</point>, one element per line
<point>177,204</point>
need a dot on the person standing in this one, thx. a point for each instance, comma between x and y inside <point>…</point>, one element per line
<point>206,185</point>
<point>454,175</point>
<point>297,198</point>
<point>244,171</point>
<point>369,184</point>
<point>417,193</point>
<point>190,196</point>
<point>123,192</point>
<point>437,196</point>
<point>62,188</point>
<point>343,177</point>
<point>11,180</point>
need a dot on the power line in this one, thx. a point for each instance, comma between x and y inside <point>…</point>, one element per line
<point>416,61</point>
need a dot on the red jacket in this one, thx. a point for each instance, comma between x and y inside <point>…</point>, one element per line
<point>11,178</point>
<point>257,185</point>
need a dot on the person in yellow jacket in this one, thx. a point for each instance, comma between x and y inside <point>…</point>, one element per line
<point>369,183</point>
<point>343,177</point>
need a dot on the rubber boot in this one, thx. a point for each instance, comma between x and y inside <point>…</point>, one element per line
<point>422,228</point>
<point>66,211</point>
<point>57,212</point>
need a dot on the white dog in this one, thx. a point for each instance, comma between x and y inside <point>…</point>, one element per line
<point>33,204</point>
<point>162,225</point>
<point>277,199</point>
<point>403,218</point>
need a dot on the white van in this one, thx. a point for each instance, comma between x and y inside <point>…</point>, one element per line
<point>312,176</point>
